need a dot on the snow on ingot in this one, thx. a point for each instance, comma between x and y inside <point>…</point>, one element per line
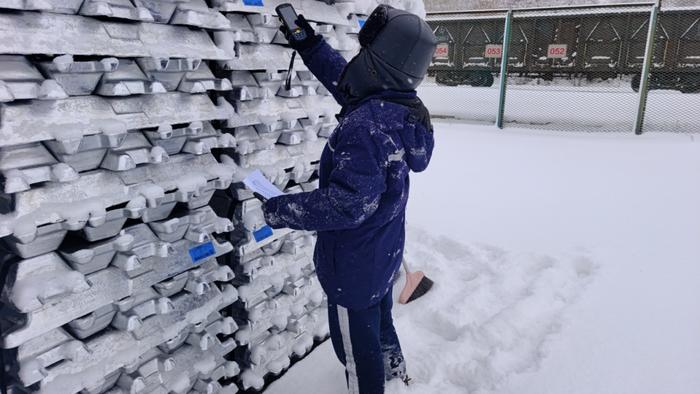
<point>109,190</point>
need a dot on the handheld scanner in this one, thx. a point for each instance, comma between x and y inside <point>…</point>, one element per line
<point>288,16</point>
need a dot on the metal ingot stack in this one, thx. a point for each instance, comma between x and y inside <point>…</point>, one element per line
<point>133,258</point>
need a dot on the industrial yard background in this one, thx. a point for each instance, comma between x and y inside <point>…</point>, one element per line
<point>594,66</point>
<point>133,259</point>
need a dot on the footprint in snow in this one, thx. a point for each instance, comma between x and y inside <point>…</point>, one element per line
<point>489,315</point>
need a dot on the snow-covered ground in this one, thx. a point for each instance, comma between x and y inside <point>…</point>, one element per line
<point>596,107</point>
<point>564,263</point>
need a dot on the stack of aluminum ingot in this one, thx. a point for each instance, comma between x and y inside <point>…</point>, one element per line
<point>133,259</point>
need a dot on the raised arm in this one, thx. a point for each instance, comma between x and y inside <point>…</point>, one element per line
<point>322,60</point>
<point>326,64</point>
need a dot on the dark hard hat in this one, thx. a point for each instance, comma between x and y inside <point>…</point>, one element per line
<point>399,38</point>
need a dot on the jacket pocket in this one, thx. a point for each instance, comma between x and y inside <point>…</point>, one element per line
<point>324,259</point>
<point>355,268</point>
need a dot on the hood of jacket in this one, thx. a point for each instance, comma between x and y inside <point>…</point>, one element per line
<point>367,74</point>
<point>417,136</point>
<point>396,50</point>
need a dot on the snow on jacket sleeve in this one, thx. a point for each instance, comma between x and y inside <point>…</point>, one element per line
<point>356,184</point>
<point>419,141</point>
<point>327,65</point>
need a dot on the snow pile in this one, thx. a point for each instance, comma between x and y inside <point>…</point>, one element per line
<point>489,315</point>
<point>629,203</point>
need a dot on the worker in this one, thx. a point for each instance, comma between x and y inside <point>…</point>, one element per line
<point>358,211</point>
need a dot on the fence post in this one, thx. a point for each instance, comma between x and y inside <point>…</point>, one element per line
<point>504,69</point>
<point>646,68</point>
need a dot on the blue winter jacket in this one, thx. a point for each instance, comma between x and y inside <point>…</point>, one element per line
<point>359,208</point>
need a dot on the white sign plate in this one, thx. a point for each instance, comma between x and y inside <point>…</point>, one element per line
<point>493,51</point>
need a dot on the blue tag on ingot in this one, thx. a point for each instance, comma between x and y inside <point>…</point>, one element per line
<point>258,3</point>
<point>262,233</point>
<point>361,22</point>
<point>200,252</point>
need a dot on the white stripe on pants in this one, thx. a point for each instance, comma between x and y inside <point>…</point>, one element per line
<point>344,323</point>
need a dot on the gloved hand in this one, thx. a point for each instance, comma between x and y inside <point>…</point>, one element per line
<point>270,213</point>
<point>311,37</point>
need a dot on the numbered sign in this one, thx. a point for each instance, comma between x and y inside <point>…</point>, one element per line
<point>557,51</point>
<point>493,51</point>
<point>442,51</point>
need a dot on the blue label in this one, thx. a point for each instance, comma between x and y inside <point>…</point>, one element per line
<point>202,252</point>
<point>258,3</point>
<point>361,22</point>
<point>262,233</point>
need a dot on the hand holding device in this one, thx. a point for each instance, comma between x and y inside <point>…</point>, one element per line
<point>289,17</point>
<point>296,28</point>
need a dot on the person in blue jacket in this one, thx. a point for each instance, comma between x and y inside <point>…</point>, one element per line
<point>358,211</point>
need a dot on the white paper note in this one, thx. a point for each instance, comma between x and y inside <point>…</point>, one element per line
<point>257,182</point>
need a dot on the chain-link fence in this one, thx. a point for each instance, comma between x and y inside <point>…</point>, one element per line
<point>466,56</point>
<point>674,95</point>
<point>570,68</point>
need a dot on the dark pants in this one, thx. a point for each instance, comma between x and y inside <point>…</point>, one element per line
<point>365,342</point>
